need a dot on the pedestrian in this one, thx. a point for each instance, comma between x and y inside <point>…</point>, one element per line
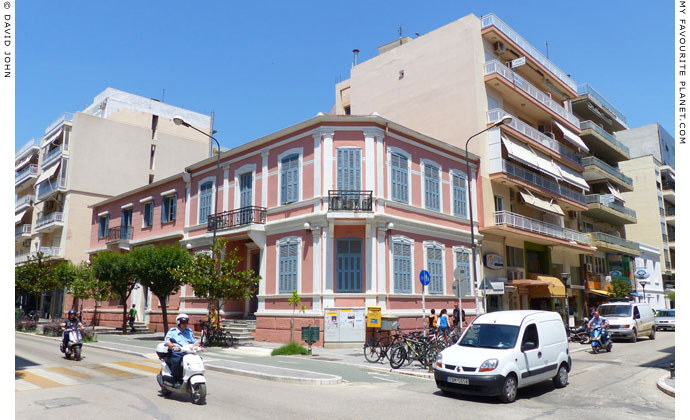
<point>432,320</point>
<point>456,318</point>
<point>443,322</point>
<point>131,316</point>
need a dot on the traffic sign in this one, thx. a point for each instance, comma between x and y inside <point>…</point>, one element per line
<point>424,277</point>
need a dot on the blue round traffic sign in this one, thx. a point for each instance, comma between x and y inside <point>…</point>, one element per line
<point>424,277</point>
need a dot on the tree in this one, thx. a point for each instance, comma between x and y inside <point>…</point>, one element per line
<point>219,279</point>
<point>117,271</point>
<point>35,276</point>
<point>294,302</point>
<point>154,269</point>
<point>86,286</point>
<point>620,288</point>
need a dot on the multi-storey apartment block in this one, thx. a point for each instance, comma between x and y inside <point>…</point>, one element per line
<point>454,82</point>
<point>118,142</point>
<point>652,166</point>
<point>346,210</point>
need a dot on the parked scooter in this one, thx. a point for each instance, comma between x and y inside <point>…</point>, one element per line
<point>193,380</point>
<point>601,339</point>
<point>580,334</point>
<point>73,344</point>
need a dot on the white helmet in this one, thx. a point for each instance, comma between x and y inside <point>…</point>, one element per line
<point>182,317</point>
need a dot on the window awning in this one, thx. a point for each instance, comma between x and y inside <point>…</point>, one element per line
<point>616,193</point>
<point>23,163</point>
<point>547,165</point>
<point>520,152</point>
<point>47,174</point>
<point>541,204</point>
<point>572,137</point>
<point>556,287</point>
<point>598,292</point>
<point>572,177</point>
<point>18,217</point>
<point>52,138</point>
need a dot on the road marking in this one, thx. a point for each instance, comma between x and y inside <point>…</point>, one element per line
<point>387,380</point>
<point>146,368</point>
<point>71,372</point>
<point>22,385</point>
<point>53,376</point>
<point>122,367</point>
<point>39,381</point>
<point>285,361</point>
<point>113,370</point>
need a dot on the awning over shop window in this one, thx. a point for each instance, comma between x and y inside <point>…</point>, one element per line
<point>18,217</point>
<point>572,137</point>
<point>47,174</point>
<point>541,204</point>
<point>556,287</point>
<point>599,292</point>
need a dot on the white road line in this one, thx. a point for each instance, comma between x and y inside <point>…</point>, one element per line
<point>129,369</point>
<point>53,376</point>
<point>285,361</point>
<point>387,380</point>
<point>22,385</point>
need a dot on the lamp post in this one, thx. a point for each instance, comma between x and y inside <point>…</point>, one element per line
<point>643,283</point>
<point>180,121</point>
<point>504,120</point>
<point>565,277</point>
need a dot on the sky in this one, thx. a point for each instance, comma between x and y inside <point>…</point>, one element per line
<point>265,65</point>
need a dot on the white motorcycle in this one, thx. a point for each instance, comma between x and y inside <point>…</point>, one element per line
<point>73,345</point>
<point>193,380</point>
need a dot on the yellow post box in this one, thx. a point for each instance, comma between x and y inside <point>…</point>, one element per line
<point>374,316</point>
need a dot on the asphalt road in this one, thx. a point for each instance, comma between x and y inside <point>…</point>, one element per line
<point>110,385</point>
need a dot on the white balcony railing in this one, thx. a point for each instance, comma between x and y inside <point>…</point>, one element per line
<point>26,173</point>
<point>22,230</point>
<point>66,116</point>
<point>497,114</point>
<point>47,251</point>
<point>48,219</point>
<point>29,144</point>
<point>51,156</point>
<point>24,200</point>
<point>493,20</point>
<point>494,66</point>
<point>48,187</point>
<point>537,226</point>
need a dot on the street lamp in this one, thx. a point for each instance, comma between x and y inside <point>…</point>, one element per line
<point>505,120</point>
<point>179,121</point>
<point>643,283</point>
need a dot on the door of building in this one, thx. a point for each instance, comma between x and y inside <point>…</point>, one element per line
<point>349,265</point>
<point>256,266</point>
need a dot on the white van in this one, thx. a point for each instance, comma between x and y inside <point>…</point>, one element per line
<point>503,351</point>
<point>629,320</point>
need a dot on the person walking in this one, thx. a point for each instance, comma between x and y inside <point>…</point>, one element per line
<point>132,316</point>
<point>456,319</point>
<point>443,322</point>
<point>432,320</point>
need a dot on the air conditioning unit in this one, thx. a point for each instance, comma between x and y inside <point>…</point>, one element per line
<point>499,47</point>
<point>589,267</point>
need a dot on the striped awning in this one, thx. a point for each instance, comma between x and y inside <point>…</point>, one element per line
<point>572,137</point>
<point>47,174</point>
<point>18,217</point>
<point>541,204</point>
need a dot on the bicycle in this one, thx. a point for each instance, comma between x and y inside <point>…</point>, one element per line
<point>215,336</point>
<point>413,346</point>
<point>376,349</point>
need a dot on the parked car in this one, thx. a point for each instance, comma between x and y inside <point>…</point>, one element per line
<point>665,319</point>
<point>629,320</point>
<point>501,352</point>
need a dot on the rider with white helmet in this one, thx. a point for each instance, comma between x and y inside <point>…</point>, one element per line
<point>181,335</point>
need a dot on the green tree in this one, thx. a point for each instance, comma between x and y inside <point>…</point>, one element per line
<point>671,295</point>
<point>65,273</point>
<point>219,279</point>
<point>117,271</point>
<point>36,276</point>
<point>295,301</point>
<point>154,267</point>
<point>620,288</point>
<point>86,286</point>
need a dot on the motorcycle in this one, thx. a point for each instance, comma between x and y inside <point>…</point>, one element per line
<point>74,344</point>
<point>600,340</point>
<point>193,380</point>
<point>580,334</point>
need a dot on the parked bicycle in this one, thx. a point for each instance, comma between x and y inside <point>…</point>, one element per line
<point>215,336</point>
<point>412,347</point>
<point>377,348</point>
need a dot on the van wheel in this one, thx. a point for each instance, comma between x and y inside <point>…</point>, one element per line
<point>509,389</point>
<point>561,378</point>
<point>652,335</point>
<point>633,339</point>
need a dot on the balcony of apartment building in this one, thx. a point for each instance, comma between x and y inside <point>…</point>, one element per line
<point>22,232</point>
<point>602,143</point>
<point>25,176</point>
<point>24,202</point>
<point>535,103</point>
<point>607,208</point>
<point>48,222</point>
<point>668,184</point>
<point>508,44</point>
<point>350,201</point>
<point>237,218</point>
<point>591,105</point>
<point>29,148</point>
<point>48,252</point>
<point>670,215</point>
<point>544,141</point>
<point>596,170</point>
<point>50,182</point>
<point>120,236</point>
<point>58,124</point>
<point>612,243</point>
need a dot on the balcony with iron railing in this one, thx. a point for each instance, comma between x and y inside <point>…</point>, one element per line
<point>586,89</point>
<point>603,135</point>
<point>497,114</point>
<point>119,233</point>
<point>495,66</point>
<point>235,218</point>
<point>613,174</point>
<point>44,221</point>
<point>46,188</point>
<point>595,201</point>
<point>51,156</point>
<point>24,201</point>
<point>493,20</point>
<point>26,173</point>
<point>506,218</point>
<point>22,231</point>
<point>65,116</point>
<point>346,200</point>
<point>541,181</point>
<point>605,238</point>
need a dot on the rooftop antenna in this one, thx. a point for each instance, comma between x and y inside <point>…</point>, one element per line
<point>355,52</point>
<point>547,48</point>
<point>163,98</point>
<point>400,33</point>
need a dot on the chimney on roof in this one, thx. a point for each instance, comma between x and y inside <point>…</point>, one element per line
<point>355,52</point>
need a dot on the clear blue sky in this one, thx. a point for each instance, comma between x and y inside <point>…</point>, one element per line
<point>262,66</point>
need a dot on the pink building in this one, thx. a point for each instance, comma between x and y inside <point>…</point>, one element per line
<point>347,210</point>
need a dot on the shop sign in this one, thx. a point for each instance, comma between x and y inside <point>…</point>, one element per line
<point>493,261</point>
<point>616,273</point>
<point>496,288</point>
<point>641,274</point>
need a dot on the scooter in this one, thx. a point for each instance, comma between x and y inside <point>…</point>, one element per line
<point>580,334</point>
<point>73,344</point>
<point>193,380</point>
<point>600,340</point>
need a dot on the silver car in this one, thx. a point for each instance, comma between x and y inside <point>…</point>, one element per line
<point>665,319</point>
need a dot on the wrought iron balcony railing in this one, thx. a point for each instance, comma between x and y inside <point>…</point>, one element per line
<point>238,217</point>
<point>522,222</point>
<point>344,200</point>
<point>119,233</point>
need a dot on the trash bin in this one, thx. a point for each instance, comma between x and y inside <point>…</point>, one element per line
<point>310,334</point>
<point>389,323</point>
<point>374,316</point>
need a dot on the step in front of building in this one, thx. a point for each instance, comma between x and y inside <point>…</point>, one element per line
<point>241,330</point>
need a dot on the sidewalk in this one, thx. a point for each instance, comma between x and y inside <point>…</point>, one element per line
<point>667,385</point>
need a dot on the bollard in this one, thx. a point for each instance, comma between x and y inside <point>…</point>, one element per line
<point>672,368</point>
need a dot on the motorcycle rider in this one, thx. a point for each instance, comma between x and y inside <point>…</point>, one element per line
<point>183,335</point>
<point>598,321</point>
<point>70,322</point>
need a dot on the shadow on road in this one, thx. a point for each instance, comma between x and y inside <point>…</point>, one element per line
<point>22,363</point>
<point>533,391</point>
<point>664,361</point>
